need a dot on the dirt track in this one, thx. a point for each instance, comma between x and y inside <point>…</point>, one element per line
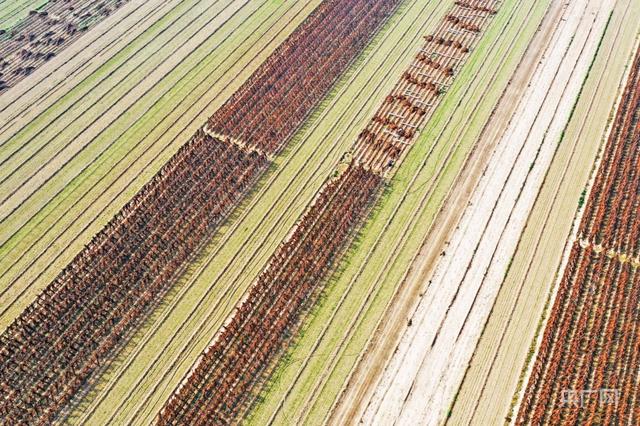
<point>504,345</point>
<point>460,308</point>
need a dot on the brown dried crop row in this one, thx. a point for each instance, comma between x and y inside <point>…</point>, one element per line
<point>77,324</point>
<point>614,152</point>
<point>46,32</point>
<point>54,346</point>
<point>612,340</point>
<point>259,115</point>
<point>224,381</point>
<point>591,318</point>
<point>227,371</point>
<point>412,101</point>
<point>620,202</point>
<point>586,369</point>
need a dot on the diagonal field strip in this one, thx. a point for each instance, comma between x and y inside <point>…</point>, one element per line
<point>587,337</point>
<point>320,355</point>
<point>66,113</point>
<point>359,336</point>
<point>82,133</point>
<point>32,39</point>
<point>163,140</point>
<point>213,295</point>
<point>150,116</point>
<point>520,299</point>
<point>186,401</point>
<point>48,29</point>
<point>133,233</point>
<point>16,10</point>
<point>512,190</point>
<point>126,68</point>
<point>199,69</point>
<point>31,97</point>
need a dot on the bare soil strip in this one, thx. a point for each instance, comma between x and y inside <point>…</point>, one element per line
<point>512,323</point>
<point>448,390</point>
<point>590,340</point>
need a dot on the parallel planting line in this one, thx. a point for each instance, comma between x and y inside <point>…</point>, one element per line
<point>93,202</point>
<point>44,33</point>
<point>18,177</point>
<point>370,294</point>
<point>367,280</point>
<point>218,386</point>
<point>461,340</point>
<point>19,207</point>
<point>19,93</point>
<point>217,301</point>
<point>113,72</point>
<point>123,273</point>
<point>471,408</point>
<point>10,14</point>
<point>595,313</point>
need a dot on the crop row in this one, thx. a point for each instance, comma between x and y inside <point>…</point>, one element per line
<point>405,110</point>
<point>222,381</point>
<point>53,349</point>
<point>45,33</point>
<point>281,94</point>
<point>226,377</point>
<point>586,370</point>
<point>57,343</point>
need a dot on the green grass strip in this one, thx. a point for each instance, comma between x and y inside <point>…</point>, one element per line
<point>466,121</point>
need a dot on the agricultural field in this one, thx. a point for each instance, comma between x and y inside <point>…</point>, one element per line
<point>319,212</point>
<point>601,281</point>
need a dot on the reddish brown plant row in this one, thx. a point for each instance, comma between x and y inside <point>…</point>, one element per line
<point>50,350</point>
<point>415,96</point>
<point>60,341</point>
<point>227,376</point>
<point>46,32</point>
<point>228,370</point>
<point>280,95</point>
<point>588,364</point>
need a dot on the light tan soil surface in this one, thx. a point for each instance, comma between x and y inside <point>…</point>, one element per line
<point>447,322</point>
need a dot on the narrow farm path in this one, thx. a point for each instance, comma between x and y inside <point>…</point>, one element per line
<point>515,315</point>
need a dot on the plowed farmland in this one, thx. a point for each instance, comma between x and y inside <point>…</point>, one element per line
<point>223,212</point>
